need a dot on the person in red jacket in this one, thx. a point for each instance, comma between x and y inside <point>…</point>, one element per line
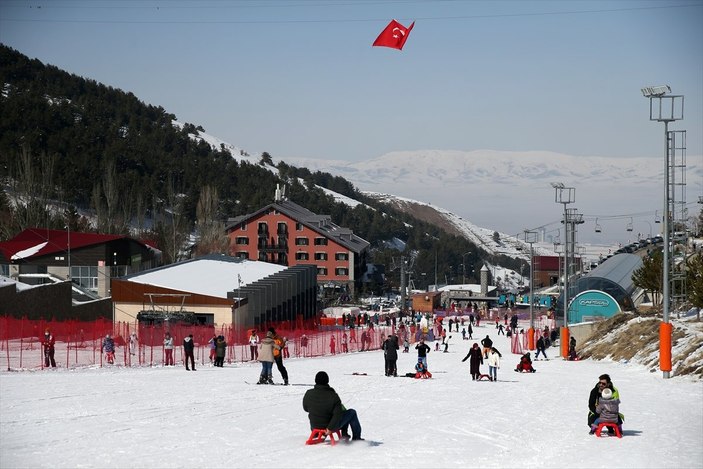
<point>48,346</point>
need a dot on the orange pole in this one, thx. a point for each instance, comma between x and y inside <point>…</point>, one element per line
<point>531,339</point>
<point>564,342</point>
<point>665,330</point>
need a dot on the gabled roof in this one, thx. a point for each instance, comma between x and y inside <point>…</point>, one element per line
<point>38,242</point>
<point>321,224</point>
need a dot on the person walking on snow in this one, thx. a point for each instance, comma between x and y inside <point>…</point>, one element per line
<point>494,357</point>
<point>189,351</point>
<point>475,358</point>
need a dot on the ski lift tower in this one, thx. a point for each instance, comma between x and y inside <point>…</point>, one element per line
<point>665,107</point>
<point>405,264</point>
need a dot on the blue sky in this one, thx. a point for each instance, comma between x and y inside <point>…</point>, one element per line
<point>299,78</point>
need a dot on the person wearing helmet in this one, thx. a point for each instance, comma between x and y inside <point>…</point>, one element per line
<point>49,349</point>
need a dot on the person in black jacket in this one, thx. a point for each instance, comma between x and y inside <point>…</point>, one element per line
<point>487,344</point>
<point>325,409</point>
<point>475,362</point>
<point>390,351</point>
<point>188,349</point>
<point>603,382</point>
<point>422,350</point>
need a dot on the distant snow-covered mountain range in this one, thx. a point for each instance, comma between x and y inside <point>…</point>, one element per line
<point>511,191</point>
<point>507,191</point>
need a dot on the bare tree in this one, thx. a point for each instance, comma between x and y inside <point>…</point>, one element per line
<point>32,188</point>
<point>211,232</point>
<point>173,224</point>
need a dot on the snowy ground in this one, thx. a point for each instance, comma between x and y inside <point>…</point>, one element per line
<point>167,417</point>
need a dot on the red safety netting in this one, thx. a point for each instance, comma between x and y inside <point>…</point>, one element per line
<point>80,344</point>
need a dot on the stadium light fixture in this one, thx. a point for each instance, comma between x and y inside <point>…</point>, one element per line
<point>655,91</point>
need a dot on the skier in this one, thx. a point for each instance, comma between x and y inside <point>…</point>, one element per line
<point>541,348</point>
<point>266,359</point>
<point>278,344</point>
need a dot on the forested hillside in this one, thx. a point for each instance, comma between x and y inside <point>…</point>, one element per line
<point>75,145</point>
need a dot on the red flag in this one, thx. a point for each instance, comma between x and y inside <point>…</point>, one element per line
<point>394,36</point>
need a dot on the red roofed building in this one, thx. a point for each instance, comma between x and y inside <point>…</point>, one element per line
<point>91,259</point>
<point>287,234</point>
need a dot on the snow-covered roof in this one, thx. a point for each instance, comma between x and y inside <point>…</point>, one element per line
<point>213,275</point>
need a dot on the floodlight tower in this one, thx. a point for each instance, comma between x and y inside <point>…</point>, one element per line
<point>531,238</point>
<point>665,107</point>
<point>565,195</point>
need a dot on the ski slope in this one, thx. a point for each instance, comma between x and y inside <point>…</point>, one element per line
<point>170,418</point>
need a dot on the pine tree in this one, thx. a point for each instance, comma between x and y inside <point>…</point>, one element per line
<point>649,276</point>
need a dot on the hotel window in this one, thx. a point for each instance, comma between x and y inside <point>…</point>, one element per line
<point>85,276</point>
<point>341,271</point>
<point>320,241</point>
<point>243,255</point>
<point>302,241</point>
<point>302,256</point>
<point>242,240</point>
<point>321,271</point>
<point>341,256</point>
<point>243,226</point>
<point>320,256</point>
<point>298,227</point>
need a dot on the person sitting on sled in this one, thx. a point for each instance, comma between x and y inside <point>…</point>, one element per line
<point>421,372</point>
<point>607,409</point>
<point>525,364</point>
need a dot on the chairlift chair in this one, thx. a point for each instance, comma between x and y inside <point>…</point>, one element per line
<point>598,229</point>
<point>629,225</point>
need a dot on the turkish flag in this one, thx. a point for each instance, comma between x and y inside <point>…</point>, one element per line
<point>394,36</point>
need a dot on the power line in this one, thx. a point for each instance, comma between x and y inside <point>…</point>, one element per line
<point>332,21</point>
